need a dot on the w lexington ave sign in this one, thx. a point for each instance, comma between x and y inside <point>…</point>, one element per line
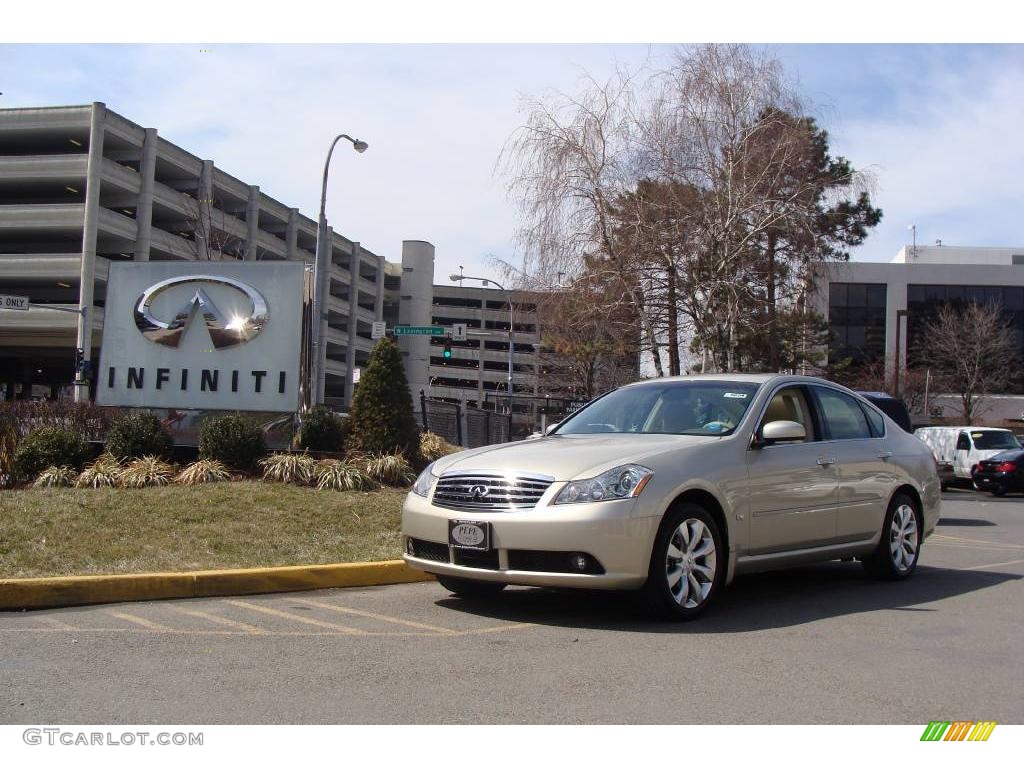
<point>202,335</point>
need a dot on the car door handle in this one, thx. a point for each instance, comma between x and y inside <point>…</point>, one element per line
<point>885,455</point>
<point>826,460</point>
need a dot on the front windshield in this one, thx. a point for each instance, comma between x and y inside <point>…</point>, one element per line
<point>995,440</point>
<point>670,408</point>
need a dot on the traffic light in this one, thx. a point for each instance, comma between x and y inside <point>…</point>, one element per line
<point>447,350</point>
<point>79,359</point>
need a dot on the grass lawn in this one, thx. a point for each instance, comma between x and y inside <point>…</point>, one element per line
<point>62,531</point>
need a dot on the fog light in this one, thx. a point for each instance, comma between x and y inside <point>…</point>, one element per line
<point>578,561</point>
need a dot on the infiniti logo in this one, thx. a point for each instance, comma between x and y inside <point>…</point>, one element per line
<point>479,492</point>
<point>224,332</point>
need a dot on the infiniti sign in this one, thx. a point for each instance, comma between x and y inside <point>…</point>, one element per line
<point>210,336</point>
<point>224,332</point>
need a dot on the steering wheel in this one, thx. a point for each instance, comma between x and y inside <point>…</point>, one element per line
<point>604,427</point>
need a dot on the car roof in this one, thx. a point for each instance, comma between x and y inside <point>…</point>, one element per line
<point>748,378</point>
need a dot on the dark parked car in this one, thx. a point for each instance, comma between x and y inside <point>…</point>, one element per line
<point>891,406</point>
<point>1002,473</point>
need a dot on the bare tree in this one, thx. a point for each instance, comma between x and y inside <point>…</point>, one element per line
<point>973,351</point>
<point>206,230</point>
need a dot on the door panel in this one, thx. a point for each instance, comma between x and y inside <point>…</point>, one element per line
<point>792,497</point>
<point>866,478</point>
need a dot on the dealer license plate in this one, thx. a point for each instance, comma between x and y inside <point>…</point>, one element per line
<point>469,534</point>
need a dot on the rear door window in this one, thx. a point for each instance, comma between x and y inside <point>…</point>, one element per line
<point>963,442</point>
<point>843,416</point>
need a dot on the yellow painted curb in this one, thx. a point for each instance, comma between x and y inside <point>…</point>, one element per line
<point>60,591</point>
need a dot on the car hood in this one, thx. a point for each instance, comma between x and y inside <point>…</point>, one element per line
<point>567,457</point>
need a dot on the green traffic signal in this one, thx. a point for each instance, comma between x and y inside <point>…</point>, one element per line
<point>447,350</point>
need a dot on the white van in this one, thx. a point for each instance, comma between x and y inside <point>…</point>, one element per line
<point>964,447</point>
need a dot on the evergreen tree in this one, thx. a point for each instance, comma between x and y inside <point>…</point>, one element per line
<point>381,418</point>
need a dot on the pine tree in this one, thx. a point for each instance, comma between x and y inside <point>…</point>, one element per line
<point>381,418</point>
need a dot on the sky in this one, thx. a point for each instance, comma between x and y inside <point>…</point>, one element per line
<point>938,126</point>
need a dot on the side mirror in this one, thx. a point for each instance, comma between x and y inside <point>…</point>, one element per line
<point>780,432</point>
<point>551,427</point>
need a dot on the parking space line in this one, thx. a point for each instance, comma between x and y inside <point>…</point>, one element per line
<point>302,619</point>
<point>489,630</point>
<point>999,544</point>
<point>247,628</point>
<point>55,623</point>
<point>993,565</point>
<point>377,616</point>
<point>153,625</point>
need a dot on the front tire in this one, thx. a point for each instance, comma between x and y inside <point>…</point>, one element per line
<point>687,567</point>
<point>899,547</point>
<point>469,587</point>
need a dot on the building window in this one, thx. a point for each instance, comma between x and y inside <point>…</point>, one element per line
<point>856,318</point>
<point>924,302</point>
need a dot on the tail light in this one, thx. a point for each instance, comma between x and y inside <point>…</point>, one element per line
<point>1006,466</point>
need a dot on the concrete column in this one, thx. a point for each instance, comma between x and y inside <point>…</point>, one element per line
<point>252,220</point>
<point>416,304</point>
<point>326,267</point>
<point>378,304</point>
<point>144,210</point>
<point>291,235</point>
<point>353,324</point>
<point>204,199</point>
<point>87,273</point>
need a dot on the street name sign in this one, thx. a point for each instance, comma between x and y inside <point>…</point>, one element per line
<point>418,330</point>
<point>14,302</point>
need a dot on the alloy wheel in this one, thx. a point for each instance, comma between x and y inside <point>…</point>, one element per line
<point>903,538</point>
<point>690,563</point>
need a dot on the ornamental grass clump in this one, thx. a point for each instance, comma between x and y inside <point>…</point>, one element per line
<point>102,473</point>
<point>433,447</point>
<point>300,468</point>
<point>334,475</point>
<point>203,471</point>
<point>56,477</point>
<point>146,472</point>
<point>389,469</point>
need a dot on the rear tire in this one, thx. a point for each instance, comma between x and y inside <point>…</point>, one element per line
<point>998,491</point>
<point>469,587</point>
<point>899,547</point>
<point>688,565</point>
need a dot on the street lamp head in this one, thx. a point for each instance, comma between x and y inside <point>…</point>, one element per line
<point>455,278</point>
<point>360,146</point>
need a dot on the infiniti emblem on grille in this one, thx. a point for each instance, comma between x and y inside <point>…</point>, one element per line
<point>479,492</point>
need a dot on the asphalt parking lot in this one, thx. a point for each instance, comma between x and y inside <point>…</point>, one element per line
<point>816,645</point>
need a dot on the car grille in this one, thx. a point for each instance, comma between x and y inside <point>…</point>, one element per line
<point>490,491</point>
<point>429,550</point>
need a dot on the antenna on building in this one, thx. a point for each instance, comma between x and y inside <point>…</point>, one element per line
<point>938,243</point>
<point>913,247</point>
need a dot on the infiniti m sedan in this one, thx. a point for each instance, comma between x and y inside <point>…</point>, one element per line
<point>671,487</point>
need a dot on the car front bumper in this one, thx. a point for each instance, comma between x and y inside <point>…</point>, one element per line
<point>605,531</point>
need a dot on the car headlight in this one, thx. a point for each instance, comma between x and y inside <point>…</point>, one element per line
<point>422,485</point>
<point>623,482</point>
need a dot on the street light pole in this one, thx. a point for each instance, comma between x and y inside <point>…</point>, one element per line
<point>320,271</point>
<point>511,323</point>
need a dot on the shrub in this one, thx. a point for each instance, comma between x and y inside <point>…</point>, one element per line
<point>49,447</point>
<point>203,471</point>
<point>381,419</point>
<point>433,447</point>
<point>145,472</point>
<point>56,477</point>
<point>389,469</point>
<point>289,468</point>
<point>340,476</point>
<point>234,440</point>
<point>8,442</point>
<point>85,419</point>
<point>102,473</point>
<point>133,435</point>
<point>322,430</point>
